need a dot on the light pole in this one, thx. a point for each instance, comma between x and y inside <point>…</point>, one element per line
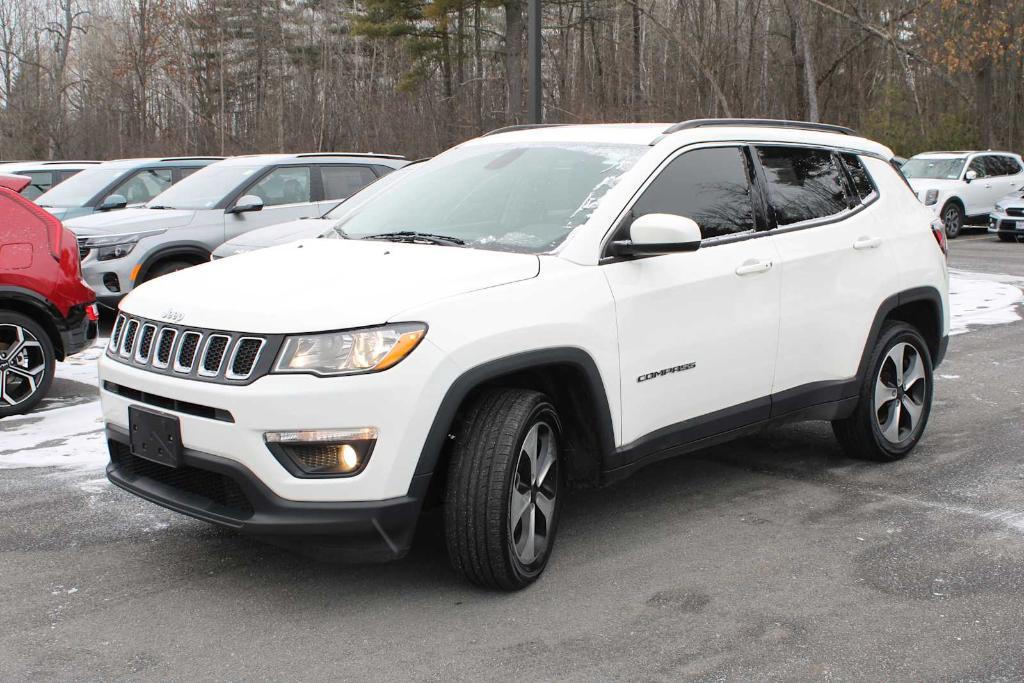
<point>533,19</point>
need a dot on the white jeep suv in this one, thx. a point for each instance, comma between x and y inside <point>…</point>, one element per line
<point>536,308</point>
<point>963,187</point>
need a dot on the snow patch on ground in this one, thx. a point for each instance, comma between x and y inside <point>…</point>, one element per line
<point>976,299</point>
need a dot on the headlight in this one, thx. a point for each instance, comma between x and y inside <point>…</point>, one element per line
<point>351,351</point>
<point>930,197</point>
<point>109,247</point>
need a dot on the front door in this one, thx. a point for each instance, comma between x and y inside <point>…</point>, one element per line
<point>698,331</point>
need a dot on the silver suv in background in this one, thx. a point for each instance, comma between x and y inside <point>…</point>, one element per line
<point>45,174</point>
<point>182,226</point>
<point>117,184</point>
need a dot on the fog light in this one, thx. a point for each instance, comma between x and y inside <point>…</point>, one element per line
<point>323,453</point>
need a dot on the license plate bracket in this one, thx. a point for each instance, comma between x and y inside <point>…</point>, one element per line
<point>155,436</point>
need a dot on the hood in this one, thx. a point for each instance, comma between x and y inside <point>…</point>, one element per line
<point>272,236</point>
<point>940,184</point>
<point>320,285</point>
<point>128,220</point>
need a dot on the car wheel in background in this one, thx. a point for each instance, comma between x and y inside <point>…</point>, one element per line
<point>27,361</point>
<point>504,489</point>
<point>166,268</point>
<point>953,219</point>
<point>895,398</point>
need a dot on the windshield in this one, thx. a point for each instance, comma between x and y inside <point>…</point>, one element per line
<point>933,167</point>
<point>507,197</point>
<point>80,188</point>
<point>205,188</point>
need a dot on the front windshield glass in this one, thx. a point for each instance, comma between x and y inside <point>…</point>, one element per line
<point>507,197</point>
<point>81,187</point>
<point>205,188</point>
<point>934,167</point>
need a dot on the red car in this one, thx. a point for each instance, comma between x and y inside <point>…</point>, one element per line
<point>47,312</point>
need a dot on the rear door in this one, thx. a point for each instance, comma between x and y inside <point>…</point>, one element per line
<point>837,268</point>
<point>698,331</point>
<point>287,194</point>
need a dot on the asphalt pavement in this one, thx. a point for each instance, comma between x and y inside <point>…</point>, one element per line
<point>773,557</point>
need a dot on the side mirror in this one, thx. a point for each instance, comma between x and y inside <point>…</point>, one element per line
<point>659,233</point>
<point>249,202</point>
<point>114,201</point>
<point>971,175</point>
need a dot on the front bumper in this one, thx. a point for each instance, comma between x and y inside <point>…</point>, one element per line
<point>111,280</point>
<point>226,493</point>
<point>1005,224</point>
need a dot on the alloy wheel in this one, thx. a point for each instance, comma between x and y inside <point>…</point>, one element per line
<point>22,364</point>
<point>900,393</point>
<point>533,494</point>
<point>952,220</point>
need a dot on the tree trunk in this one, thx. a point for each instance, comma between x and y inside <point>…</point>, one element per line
<point>514,26</point>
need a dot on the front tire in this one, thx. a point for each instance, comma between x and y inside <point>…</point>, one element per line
<point>27,361</point>
<point>895,399</point>
<point>166,268</point>
<point>953,219</point>
<point>504,489</point>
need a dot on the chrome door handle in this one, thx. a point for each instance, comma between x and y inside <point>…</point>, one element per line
<point>753,266</point>
<point>867,243</point>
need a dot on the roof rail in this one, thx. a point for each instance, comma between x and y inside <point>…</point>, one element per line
<point>71,161</point>
<point>767,123</point>
<point>524,126</point>
<point>351,154</point>
<point>192,158</point>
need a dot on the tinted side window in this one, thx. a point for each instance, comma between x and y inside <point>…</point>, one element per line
<point>344,181</point>
<point>186,172</point>
<point>144,185</point>
<point>861,179</point>
<point>803,184</point>
<point>41,182</point>
<point>288,185</point>
<point>979,166</point>
<point>1012,166</point>
<point>711,186</point>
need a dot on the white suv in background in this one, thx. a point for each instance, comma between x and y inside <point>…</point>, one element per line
<point>533,309</point>
<point>963,187</point>
<point>181,226</point>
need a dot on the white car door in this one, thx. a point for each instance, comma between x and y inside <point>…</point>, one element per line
<point>286,192</point>
<point>990,186</point>
<point>698,331</point>
<point>837,268</point>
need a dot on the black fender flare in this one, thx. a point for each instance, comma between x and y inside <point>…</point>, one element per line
<point>40,309</point>
<point>927,294</point>
<point>191,250</point>
<point>536,359</point>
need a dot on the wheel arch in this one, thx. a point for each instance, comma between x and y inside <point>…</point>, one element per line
<point>35,307</point>
<point>920,307</point>
<point>194,252</point>
<point>568,375</point>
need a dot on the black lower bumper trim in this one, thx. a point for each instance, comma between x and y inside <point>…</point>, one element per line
<point>77,332</point>
<point>226,493</point>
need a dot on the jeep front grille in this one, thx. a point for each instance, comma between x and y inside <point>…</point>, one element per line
<point>205,355</point>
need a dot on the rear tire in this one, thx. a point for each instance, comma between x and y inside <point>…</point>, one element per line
<point>166,268</point>
<point>27,361</point>
<point>953,219</point>
<point>504,489</point>
<point>895,398</point>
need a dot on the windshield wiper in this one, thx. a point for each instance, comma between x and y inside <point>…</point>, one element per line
<point>413,236</point>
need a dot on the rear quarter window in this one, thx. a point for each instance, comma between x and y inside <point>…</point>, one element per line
<point>804,184</point>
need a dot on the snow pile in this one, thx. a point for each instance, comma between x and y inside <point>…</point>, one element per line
<point>976,299</point>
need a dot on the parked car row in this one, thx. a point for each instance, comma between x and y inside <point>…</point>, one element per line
<point>979,188</point>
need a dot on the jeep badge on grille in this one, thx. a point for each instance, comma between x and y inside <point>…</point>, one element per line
<point>173,316</point>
